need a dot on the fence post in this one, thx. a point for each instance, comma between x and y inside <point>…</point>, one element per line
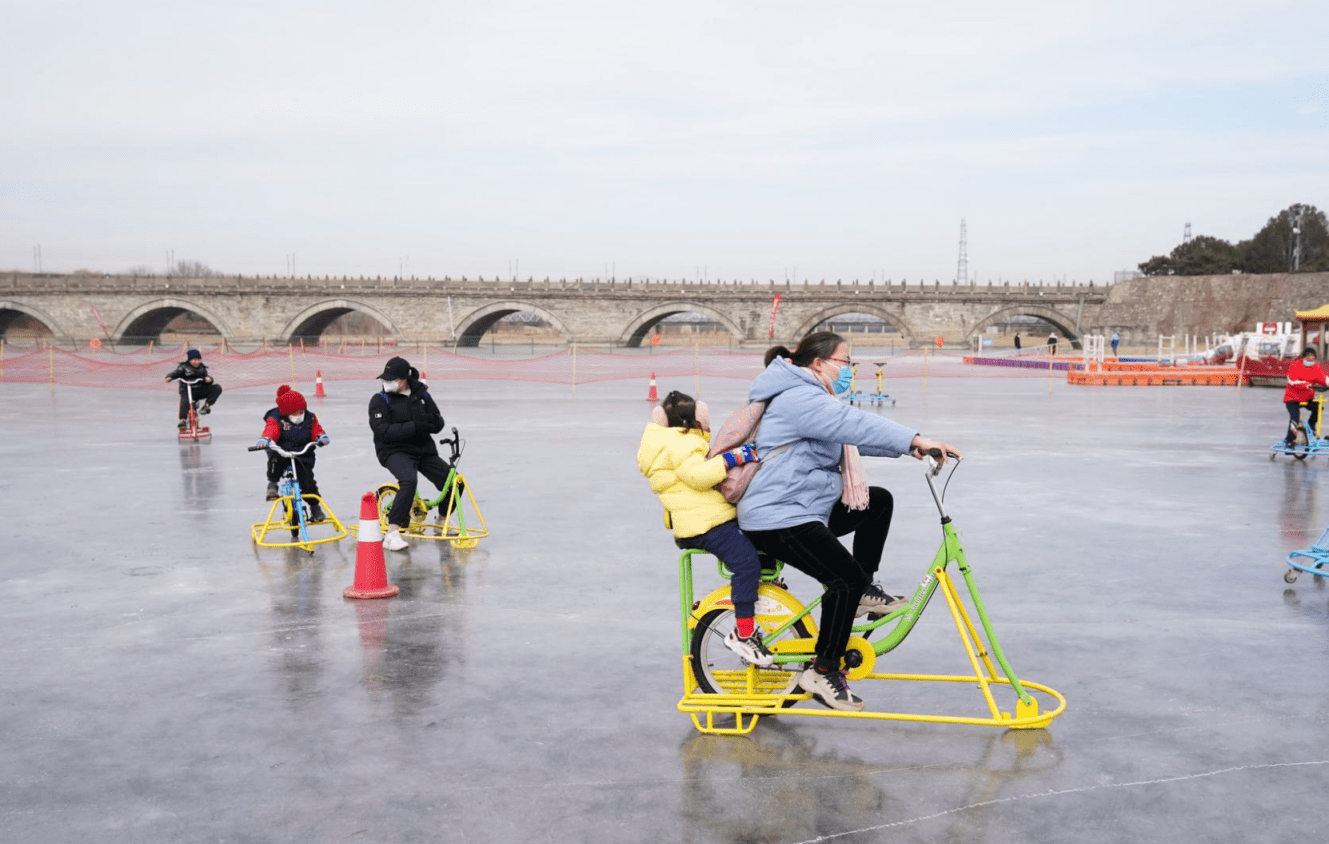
<point>696,367</point>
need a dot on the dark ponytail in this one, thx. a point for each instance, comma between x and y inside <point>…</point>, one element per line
<point>818,344</point>
<point>776,352</point>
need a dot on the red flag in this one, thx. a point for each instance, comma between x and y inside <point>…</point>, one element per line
<point>775,307</point>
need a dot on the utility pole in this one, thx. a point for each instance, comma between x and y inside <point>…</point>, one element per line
<point>962,270</point>
<point>1297,216</point>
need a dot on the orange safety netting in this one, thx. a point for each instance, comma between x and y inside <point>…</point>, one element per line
<point>145,367</point>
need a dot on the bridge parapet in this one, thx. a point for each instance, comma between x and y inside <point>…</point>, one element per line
<point>18,283</point>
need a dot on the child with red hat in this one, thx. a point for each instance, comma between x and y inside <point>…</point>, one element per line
<point>291,426</point>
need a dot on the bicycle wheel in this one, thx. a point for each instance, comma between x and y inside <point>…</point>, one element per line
<point>720,671</point>
<point>1302,443</point>
<point>386,494</point>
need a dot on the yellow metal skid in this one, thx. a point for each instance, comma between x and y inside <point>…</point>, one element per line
<point>281,518</point>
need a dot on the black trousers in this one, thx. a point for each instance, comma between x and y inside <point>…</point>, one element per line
<point>304,471</point>
<point>201,391</point>
<point>815,549</point>
<point>1294,416</point>
<point>404,467</point>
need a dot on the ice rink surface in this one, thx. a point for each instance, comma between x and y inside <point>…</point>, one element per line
<point>166,681</point>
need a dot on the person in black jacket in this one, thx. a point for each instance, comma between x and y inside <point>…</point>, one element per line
<point>404,419</point>
<point>205,392</point>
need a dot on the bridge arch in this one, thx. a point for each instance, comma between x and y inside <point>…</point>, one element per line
<point>1060,321</point>
<point>474,325</point>
<point>853,308</point>
<point>310,323</point>
<point>641,324</point>
<point>11,310</point>
<point>147,320</point>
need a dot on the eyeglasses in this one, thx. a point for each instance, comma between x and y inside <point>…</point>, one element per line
<point>844,361</point>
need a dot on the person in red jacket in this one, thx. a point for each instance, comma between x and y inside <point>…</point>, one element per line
<point>292,429</point>
<point>1302,375</point>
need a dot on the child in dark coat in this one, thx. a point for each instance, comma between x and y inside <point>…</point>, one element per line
<point>292,428</point>
<point>205,392</point>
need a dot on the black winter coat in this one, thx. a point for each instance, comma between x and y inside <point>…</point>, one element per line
<point>404,424</point>
<point>188,373</point>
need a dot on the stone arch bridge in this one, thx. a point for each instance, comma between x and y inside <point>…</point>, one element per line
<point>128,309</point>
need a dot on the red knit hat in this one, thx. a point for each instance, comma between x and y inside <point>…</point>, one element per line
<point>284,388</point>
<point>290,402</point>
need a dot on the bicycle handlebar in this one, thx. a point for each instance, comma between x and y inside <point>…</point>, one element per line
<point>935,455</point>
<point>283,452</point>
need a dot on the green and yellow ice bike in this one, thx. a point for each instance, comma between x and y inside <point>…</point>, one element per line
<point>726,695</point>
<point>445,517</point>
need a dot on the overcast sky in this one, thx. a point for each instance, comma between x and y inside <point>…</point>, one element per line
<point>677,139</point>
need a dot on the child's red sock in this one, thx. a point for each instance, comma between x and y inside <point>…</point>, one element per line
<point>744,626</point>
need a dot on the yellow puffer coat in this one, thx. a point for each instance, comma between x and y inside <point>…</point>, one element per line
<point>675,462</point>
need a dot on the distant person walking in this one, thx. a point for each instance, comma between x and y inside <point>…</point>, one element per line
<point>1116,341</point>
<point>1017,341</point>
<point>1052,343</point>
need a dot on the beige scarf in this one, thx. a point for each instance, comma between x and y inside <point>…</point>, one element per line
<point>852,474</point>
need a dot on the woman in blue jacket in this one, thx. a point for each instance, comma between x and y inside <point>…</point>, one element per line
<point>792,509</point>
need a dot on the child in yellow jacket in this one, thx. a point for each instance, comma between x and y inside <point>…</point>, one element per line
<point>672,455</point>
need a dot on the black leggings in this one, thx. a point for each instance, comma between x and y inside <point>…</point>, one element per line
<point>403,467</point>
<point>814,549</point>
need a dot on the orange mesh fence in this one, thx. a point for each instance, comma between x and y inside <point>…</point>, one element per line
<point>145,367</point>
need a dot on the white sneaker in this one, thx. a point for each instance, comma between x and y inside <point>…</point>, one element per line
<point>830,690</point>
<point>751,649</point>
<point>877,602</point>
<point>392,541</point>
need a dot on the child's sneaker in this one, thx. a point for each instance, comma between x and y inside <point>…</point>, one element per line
<point>877,602</point>
<point>316,513</point>
<point>204,408</point>
<point>830,689</point>
<point>751,648</point>
<point>272,493</point>
<point>392,541</point>
<point>182,424</point>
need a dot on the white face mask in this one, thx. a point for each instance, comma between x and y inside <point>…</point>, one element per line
<point>389,386</point>
<point>296,418</point>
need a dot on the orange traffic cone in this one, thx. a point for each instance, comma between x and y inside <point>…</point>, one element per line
<point>318,384</point>
<point>652,395</point>
<point>371,574</point>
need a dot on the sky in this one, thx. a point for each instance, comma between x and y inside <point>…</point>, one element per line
<point>675,140</point>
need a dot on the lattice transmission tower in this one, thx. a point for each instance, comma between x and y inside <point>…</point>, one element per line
<point>962,270</point>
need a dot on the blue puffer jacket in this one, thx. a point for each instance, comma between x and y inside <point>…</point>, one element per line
<point>802,483</point>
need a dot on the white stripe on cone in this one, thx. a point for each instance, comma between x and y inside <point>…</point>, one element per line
<point>370,531</point>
